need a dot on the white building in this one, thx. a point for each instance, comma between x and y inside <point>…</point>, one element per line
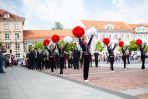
<point>116,31</point>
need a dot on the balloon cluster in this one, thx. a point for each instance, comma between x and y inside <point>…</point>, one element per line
<point>106,41</point>
<point>55,38</point>
<point>121,43</point>
<point>138,42</point>
<point>78,31</point>
<point>46,42</point>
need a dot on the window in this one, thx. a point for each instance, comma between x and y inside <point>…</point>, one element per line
<point>6,26</point>
<point>116,37</point>
<point>96,36</point>
<point>17,55</point>
<point>122,36</point>
<point>16,36</point>
<point>16,26</point>
<point>128,36</point>
<point>17,46</point>
<point>7,46</point>
<point>7,36</point>
<point>109,36</point>
<point>6,15</point>
<point>103,36</point>
<point>109,27</point>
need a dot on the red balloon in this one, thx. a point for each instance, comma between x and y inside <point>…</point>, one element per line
<point>121,43</point>
<point>106,41</point>
<point>138,42</point>
<point>55,38</point>
<point>46,42</point>
<point>78,31</point>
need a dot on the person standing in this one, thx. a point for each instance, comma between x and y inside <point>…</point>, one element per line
<point>39,60</point>
<point>51,56</point>
<point>96,58</point>
<point>86,55</point>
<point>76,58</point>
<point>128,56</point>
<point>111,55</point>
<point>124,56</point>
<point>142,56</point>
<point>70,59</point>
<point>61,50</point>
<point>1,61</point>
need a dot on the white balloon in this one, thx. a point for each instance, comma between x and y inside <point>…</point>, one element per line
<point>126,42</point>
<point>91,31</point>
<point>68,39</point>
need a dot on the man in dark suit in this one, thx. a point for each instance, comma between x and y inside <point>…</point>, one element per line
<point>76,58</point>
<point>96,58</point>
<point>142,56</point>
<point>124,56</point>
<point>1,61</point>
<point>70,59</point>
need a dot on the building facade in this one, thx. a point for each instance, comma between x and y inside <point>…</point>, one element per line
<point>11,33</point>
<point>116,31</point>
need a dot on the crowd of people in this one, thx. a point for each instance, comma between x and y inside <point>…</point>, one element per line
<point>55,57</point>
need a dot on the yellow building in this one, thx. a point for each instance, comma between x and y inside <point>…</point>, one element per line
<point>11,33</point>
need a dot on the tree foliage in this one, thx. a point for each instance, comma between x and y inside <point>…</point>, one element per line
<point>69,47</point>
<point>58,26</point>
<point>39,45</point>
<point>146,49</point>
<point>1,44</point>
<point>99,46</point>
<point>132,46</point>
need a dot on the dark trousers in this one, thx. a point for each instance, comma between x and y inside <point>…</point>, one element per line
<point>69,63</point>
<point>52,64</point>
<point>76,63</point>
<point>124,60</point>
<point>86,66</point>
<point>127,56</point>
<point>96,62</point>
<point>46,64</point>
<point>143,61</point>
<point>39,65</point>
<point>61,65</point>
<point>111,59</point>
<point>1,67</point>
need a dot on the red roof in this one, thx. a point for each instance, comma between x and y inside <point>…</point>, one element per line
<point>2,12</point>
<point>37,34</point>
<point>100,25</point>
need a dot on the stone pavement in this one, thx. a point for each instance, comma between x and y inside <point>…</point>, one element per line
<point>21,83</point>
<point>132,81</point>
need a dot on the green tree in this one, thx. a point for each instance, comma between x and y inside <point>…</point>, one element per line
<point>132,46</point>
<point>99,46</point>
<point>69,47</point>
<point>58,26</point>
<point>1,44</point>
<point>146,49</point>
<point>39,45</point>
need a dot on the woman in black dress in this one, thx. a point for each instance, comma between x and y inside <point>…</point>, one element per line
<point>51,56</point>
<point>86,55</point>
<point>61,50</point>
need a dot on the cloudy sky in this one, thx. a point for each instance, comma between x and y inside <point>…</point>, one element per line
<point>42,14</point>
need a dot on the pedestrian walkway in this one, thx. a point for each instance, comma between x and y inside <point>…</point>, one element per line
<point>21,83</point>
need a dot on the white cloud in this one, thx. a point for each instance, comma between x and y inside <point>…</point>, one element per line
<point>50,11</point>
<point>131,11</point>
<point>41,14</point>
